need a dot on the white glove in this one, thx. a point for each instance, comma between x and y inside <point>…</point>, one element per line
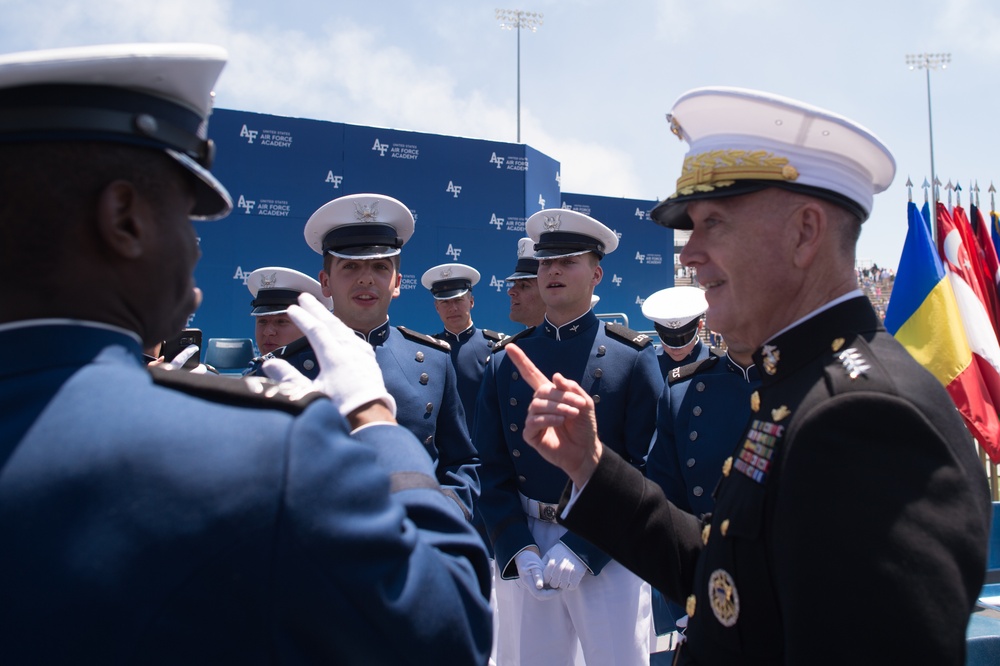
<point>348,372</point>
<point>529,574</point>
<point>563,569</point>
<point>182,357</point>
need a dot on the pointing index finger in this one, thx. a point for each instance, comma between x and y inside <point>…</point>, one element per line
<point>531,374</point>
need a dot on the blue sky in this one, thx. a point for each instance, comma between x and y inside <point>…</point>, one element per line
<point>597,77</point>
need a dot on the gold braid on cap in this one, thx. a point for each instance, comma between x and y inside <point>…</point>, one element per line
<point>720,168</point>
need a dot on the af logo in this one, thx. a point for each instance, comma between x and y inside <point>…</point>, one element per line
<point>453,251</point>
<point>499,284</point>
<point>240,275</point>
<point>336,180</point>
<point>565,206</point>
<point>380,147</point>
<point>641,214</point>
<point>246,204</point>
<point>639,300</point>
<point>496,160</point>
<point>558,178</point>
<point>641,258</point>
<point>541,202</point>
<point>453,188</point>
<point>496,221</point>
<point>249,134</point>
<point>616,280</point>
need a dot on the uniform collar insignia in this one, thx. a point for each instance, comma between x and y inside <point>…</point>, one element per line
<point>780,413</point>
<point>574,327</point>
<point>854,363</point>
<point>771,357</point>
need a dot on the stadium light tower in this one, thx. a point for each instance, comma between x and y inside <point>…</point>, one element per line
<point>927,62</point>
<point>515,19</point>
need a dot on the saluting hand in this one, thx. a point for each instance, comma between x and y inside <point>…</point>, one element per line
<point>561,424</point>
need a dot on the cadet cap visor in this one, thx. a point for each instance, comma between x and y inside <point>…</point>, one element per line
<point>448,281</point>
<point>560,232</point>
<point>743,141</point>
<point>157,96</point>
<point>676,311</point>
<point>274,288</point>
<point>360,226</point>
<point>527,266</point>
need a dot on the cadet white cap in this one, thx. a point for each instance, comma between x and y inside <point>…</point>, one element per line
<point>449,280</point>
<point>560,232</point>
<point>275,288</point>
<point>594,300</point>
<point>527,266</point>
<point>743,141</point>
<point>152,95</point>
<point>360,226</point>
<point>676,312</point>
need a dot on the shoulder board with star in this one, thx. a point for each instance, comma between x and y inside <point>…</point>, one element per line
<point>627,335</point>
<point>256,392</point>
<point>691,369</point>
<point>428,340</point>
<point>513,338</point>
<point>492,335</point>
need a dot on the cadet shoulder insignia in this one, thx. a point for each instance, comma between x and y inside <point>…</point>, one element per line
<point>513,338</point>
<point>428,340</point>
<point>493,335</point>
<point>236,391</point>
<point>627,335</point>
<point>691,369</point>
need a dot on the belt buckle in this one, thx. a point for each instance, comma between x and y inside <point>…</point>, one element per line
<point>547,512</point>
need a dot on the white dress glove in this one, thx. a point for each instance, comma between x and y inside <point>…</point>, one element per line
<point>348,372</point>
<point>529,574</point>
<point>563,569</point>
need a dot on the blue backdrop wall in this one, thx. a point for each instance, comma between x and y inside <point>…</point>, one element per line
<point>470,199</point>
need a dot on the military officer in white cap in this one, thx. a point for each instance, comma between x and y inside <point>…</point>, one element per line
<point>676,313</point>
<point>451,286</point>
<point>360,237</point>
<point>161,517</point>
<point>274,288</point>
<point>526,305</point>
<point>854,478</point>
<point>563,588</point>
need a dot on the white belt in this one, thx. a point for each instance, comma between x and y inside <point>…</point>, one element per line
<point>540,510</point>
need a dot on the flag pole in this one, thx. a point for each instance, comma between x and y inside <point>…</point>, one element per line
<point>927,62</point>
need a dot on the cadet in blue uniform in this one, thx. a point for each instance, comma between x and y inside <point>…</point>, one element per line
<point>851,523</point>
<point>676,314</point>
<point>526,305</point>
<point>360,237</point>
<point>161,517</point>
<point>274,288</point>
<point>451,285</point>
<point>562,587</point>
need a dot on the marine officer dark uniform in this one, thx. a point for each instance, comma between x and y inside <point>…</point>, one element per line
<point>608,610</point>
<point>451,286</point>
<point>154,516</point>
<point>360,236</point>
<point>676,314</point>
<point>851,523</point>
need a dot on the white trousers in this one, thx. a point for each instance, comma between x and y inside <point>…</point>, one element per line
<point>609,615</point>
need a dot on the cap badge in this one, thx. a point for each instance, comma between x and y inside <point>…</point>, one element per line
<point>551,222</point>
<point>268,281</point>
<point>525,247</point>
<point>771,357</point>
<point>724,598</point>
<point>367,213</point>
<point>446,272</point>
<point>854,363</point>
